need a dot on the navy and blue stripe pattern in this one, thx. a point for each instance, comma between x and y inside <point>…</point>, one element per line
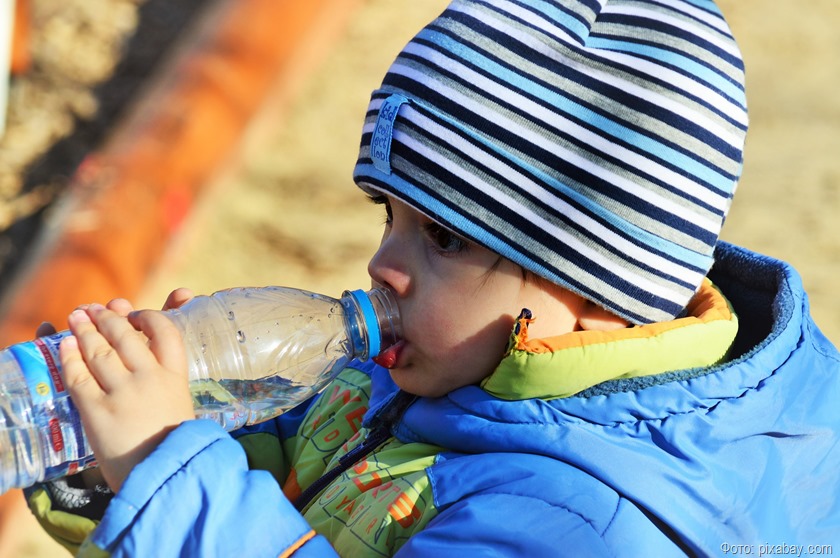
<point>596,143</point>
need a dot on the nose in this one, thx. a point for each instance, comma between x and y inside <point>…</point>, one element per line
<point>389,265</point>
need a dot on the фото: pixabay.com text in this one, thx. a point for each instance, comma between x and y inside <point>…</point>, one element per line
<point>782,549</point>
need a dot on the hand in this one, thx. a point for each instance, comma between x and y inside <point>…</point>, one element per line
<point>93,476</point>
<point>127,376</point>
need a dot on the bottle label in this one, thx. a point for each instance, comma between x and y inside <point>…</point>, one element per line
<point>39,361</point>
<point>53,411</point>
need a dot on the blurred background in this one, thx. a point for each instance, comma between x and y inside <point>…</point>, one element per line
<point>109,186</point>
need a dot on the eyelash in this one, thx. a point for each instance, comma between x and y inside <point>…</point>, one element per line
<point>442,241</point>
<point>382,200</point>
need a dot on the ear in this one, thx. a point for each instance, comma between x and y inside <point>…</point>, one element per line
<point>593,317</point>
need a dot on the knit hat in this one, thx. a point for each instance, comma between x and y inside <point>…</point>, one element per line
<point>596,143</point>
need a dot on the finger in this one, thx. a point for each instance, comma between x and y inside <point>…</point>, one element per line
<point>120,306</point>
<point>178,298</point>
<point>122,348</point>
<point>44,329</point>
<point>165,341</point>
<point>100,358</point>
<point>81,384</point>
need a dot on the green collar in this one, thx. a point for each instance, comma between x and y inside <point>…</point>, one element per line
<point>568,364</point>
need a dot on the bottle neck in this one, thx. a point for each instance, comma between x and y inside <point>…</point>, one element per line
<point>372,320</point>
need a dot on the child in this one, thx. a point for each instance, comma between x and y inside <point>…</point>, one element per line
<point>573,378</point>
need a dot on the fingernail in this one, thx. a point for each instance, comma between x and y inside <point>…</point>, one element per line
<point>70,342</point>
<point>95,307</point>
<point>79,316</point>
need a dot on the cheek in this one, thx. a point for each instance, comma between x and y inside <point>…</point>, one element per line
<point>464,343</point>
<point>438,329</point>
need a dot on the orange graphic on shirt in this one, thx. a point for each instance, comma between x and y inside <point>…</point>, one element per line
<point>404,510</point>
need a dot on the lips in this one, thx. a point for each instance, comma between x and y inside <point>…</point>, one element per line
<point>388,358</point>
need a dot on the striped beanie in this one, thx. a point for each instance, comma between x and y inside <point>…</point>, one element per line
<point>596,143</point>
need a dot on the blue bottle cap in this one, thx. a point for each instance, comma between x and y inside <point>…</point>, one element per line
<point>371,321</point>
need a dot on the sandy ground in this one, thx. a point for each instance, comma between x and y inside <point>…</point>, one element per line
<point>289,213</point>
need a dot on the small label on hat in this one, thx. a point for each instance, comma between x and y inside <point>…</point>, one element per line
<point>380,144</point>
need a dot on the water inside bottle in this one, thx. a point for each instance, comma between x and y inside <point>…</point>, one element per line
<point>235,403</point>
<point>20,457</point>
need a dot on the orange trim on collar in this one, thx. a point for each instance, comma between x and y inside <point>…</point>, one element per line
<point>706,306</point>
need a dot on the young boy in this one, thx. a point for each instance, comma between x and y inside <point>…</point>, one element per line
<point>585,369</point>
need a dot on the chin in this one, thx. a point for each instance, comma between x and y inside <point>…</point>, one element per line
<point>410,381</point>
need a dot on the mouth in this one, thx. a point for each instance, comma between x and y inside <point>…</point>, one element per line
<point>388,358</point>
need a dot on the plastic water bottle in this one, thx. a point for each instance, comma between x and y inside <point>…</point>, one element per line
<point>252,353</point>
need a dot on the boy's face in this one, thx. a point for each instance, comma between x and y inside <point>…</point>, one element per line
<point>458,302</point>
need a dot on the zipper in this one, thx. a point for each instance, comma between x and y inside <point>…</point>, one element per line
<point>375,438</point>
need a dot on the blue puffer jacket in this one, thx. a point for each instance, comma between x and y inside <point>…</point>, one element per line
<point>704,463</point>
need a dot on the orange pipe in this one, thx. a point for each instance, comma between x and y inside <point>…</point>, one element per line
<point>21,29</point>
<point>125,201</point>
